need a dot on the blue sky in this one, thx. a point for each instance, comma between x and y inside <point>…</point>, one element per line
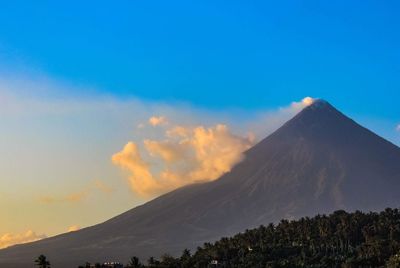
<point>79,80</point>
<point>216,54</point>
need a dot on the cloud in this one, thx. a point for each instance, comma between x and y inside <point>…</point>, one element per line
<point>76,197</point>
<point>141,179</point>
<point>307,101</point>
<point>9,239</point>
<point>182,154</point>
<point>188,148</point>
<point>79,196</point>
<point>168,150</point>
<point>398,128</point>
<point>48,199</point>
<point>158,120</point>
<point>264,123</point>
<point>69,198</point>
<point>101,186</point>
<point>73,228</point>
<point>185,155</point>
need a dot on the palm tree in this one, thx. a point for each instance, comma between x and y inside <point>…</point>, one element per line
<point>42,262</point>
<point>185,259</point>
<point>152,262</point>
<point>134,262</point>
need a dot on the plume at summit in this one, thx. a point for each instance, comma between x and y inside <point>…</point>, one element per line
<point>186,154</point>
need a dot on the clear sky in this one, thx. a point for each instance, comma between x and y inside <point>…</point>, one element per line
<point>80,79</point>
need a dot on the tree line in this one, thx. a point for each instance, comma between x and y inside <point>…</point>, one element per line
<point>339,240</point>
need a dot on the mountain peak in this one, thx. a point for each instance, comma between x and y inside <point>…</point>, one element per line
<point>318,104</point>
<point>318,112</point>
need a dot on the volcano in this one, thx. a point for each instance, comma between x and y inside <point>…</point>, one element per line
<point>317,162</point>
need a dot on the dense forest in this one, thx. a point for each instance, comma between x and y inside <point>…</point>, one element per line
<point>339,240</point>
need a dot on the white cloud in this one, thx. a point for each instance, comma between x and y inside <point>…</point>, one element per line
<point>307,101</point>
<point>398,128</point>
<point>264,123</point>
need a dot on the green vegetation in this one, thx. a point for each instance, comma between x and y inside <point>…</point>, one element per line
<point>338,240</point>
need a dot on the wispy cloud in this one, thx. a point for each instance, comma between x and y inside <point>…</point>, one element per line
<point>158,120</point>
<point>398,128</point>
<point>69,198</point>
<point>10,239</point>
<point>79,196</point>
<point>104,188</point>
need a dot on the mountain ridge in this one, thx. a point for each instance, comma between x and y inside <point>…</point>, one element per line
<point>317,162</point>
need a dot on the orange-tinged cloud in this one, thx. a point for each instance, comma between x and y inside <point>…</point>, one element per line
<point>98,184</point>
<point>73,228</point>
<point>186,155</point>
<point>169,151</point>
<point>141,178</point>
<point>178,131</point>
<point>70,198</point>
<point>307,101</point>
<point>9,239</point>
<point>157,120</point>
<point>216,151</point>
<point>77,197</point>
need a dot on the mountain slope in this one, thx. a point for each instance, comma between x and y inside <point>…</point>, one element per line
<point>317,162</point>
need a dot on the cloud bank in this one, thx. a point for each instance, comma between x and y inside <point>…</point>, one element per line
<point>9,239</point>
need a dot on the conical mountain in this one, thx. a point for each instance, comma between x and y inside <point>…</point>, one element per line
<point>317,162</point>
